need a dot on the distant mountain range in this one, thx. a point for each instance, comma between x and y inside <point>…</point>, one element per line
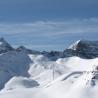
<point>81,48</point>
<point>72,73</point>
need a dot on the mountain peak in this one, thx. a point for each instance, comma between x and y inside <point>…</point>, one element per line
<point>74,45</point>
<point>1,39</point>
<point>20,48</point>
<point>83,44</point>
<point>4,46</point>
<point>83,48</point>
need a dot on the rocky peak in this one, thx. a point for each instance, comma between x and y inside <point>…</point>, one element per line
<point>21,48</point>
<point>29,51</point>
<point>74,46</point>
<point>84,44</point>
<point>83,48</point>
<point>5,46</point>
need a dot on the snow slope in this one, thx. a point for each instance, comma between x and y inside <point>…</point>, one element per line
<point>79,81</point>
<point>33,75</point>
<point>32,66</point>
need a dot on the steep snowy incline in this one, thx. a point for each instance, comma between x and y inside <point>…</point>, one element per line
<point>38,67</point>
<point>74,46</point>
<point>13,64</point>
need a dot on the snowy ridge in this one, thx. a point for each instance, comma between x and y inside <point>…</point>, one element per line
<point>74,46</point>
<point>83,48</point>
<point>31,74</point>
<point>70,80</point>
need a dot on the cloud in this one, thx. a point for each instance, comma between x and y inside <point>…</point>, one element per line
<point>49,35</point>
<point>51,28</point>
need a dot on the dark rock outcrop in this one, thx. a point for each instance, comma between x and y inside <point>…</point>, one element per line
<point>4,46</point>
<point>84,49</point>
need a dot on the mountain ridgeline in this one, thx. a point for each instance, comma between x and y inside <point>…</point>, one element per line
<point>4,46</point>
<point>82,48</point>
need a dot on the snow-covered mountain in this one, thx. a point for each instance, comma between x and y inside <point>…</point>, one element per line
<point>83,48</point>
<point>25,73</point>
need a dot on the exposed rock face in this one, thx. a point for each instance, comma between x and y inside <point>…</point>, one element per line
<point>4,46</point>
<point>81,48</point>
<point>53,55</point>
<point>29,51</point>
<point>85,49</point>
<point>22,48</point>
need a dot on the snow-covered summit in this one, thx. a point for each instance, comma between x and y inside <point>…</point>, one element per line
<point>5,46</point>
<point>83,48</point>
<point>74,45</point>
<point>84,44</point>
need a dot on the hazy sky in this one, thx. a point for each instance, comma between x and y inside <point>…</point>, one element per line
<point>48,24</point>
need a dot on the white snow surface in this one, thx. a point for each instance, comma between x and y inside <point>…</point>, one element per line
<point>35,76</point>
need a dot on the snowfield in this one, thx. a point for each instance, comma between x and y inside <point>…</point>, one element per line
<point>72,78</point>
<point>26,75</point>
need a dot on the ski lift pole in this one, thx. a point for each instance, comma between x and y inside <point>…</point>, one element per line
<point>53,72</point>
